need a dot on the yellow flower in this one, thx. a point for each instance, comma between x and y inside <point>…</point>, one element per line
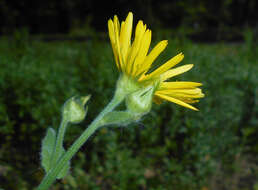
<point>134,61</point>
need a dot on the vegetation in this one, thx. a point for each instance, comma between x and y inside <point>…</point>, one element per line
<point>212,19</point>
<point>171,148</point>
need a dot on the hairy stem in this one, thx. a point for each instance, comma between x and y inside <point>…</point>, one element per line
<point>49,179</point>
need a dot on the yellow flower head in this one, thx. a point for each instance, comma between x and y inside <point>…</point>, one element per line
<point>133,60</point>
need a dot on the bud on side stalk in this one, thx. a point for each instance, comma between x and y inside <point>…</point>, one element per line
<point>74,110</point>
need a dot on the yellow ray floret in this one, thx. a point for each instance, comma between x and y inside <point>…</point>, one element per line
<point>134,60</point>
<point>179,85</point>
<point>177,101</point>
<point>163,68</point>
<point>174,72</point>
<point>179,92</point>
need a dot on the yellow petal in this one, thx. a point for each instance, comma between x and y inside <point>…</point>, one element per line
<point>117,24</point>
<point>117,43</point>
<point>111,32</point>
<point>188,100</point>
<point>166,66</point>
<point>184,93</point>
<point>139,32</point>
<point>179,102</point>
<point>152,56</point>
<point>125,35</point>
<point>144,48</point>
<point>179,85</point>
<point>177,71</point>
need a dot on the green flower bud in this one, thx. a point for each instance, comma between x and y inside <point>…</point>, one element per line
<point>139,103</point>
<point>74,109</point>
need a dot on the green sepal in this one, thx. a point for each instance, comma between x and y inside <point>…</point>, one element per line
<point>140,101</point>
<point>47,149</point>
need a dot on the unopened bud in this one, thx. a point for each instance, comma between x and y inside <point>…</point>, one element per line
<point>140,101</point>
<point>74,109</point>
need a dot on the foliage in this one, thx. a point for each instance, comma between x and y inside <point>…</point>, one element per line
<point>170,147</point>
<point>51,16</point>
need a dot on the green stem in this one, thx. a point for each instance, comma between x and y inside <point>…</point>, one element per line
<point>49,179</point>
<point>59,141</point>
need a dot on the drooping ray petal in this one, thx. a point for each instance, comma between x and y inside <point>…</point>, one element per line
<point>179,85</point>
<point>185,93</point>
<point>188,100</point>
<point>177,101</point>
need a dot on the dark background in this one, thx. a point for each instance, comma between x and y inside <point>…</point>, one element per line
<point>51,50</point>
<point>207,19</point>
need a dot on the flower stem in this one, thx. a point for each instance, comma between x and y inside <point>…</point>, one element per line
<point>50,177</point>
<point>59,140</point>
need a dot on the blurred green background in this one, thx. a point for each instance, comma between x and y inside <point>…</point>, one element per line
<point>51,51</point>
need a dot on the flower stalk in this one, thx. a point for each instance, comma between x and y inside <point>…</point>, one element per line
<point>49,179</point>
<point>59,141</point>
<point>136,86</point>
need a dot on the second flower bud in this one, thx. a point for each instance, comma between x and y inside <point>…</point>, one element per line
<point>139,102</point>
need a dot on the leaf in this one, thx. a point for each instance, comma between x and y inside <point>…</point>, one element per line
<point>65,169</point>
<point>48,146</point>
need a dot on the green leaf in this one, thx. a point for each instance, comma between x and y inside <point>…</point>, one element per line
<point>65,169</point>
<point>48,146</point>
